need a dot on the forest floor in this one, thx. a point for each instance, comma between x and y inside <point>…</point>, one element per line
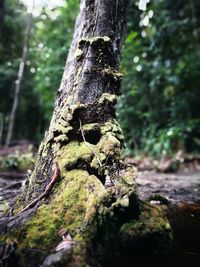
<point>174,187</point>
<point>175,179</point>
<point>179,190</point>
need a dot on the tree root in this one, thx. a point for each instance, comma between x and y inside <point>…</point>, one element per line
<point>54,178</point>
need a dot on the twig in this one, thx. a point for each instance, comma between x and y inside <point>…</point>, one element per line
<point>87,144</point>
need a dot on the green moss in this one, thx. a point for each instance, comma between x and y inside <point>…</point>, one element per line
<point>107,97</point>
<point>70,154</point>
<point>78,53</point>
<point>129,176</point>
<point>61,138</point>
<point>167,226</point>
<point>78,153</point>
<point>110,145</point>
<point>63,122</point>
<point>101,157</point>
<point>66,114</point>
<point>152,230</point>
<point>121,202</point>
<point>5,207</point>
<point>111,126</point>
<point>96,39</point>
<point>90,127</point>
<point>72,206</point>
<point>63,129</point>
<point>113,72</point>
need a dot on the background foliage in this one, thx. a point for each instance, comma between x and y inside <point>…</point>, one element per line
<point>159,106</point>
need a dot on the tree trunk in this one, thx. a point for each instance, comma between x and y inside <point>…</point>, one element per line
<point>1,12</point>
<point>1,128</point>
<point>81,195</point>
<point>19,81</point>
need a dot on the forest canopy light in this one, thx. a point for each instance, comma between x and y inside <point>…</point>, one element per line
<point>143,4</point>
<point>37,5</point>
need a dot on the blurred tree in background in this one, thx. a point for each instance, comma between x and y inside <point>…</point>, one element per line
<point>48,47</point>
<point>159,106</point>
<point>12,31</point>
<point>53,34</point>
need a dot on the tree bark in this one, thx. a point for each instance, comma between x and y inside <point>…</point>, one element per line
<point>80,202</point>
<point>19,81</point>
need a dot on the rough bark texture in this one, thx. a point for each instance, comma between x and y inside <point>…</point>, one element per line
<point>92,211</point>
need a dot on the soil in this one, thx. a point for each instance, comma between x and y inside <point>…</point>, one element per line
<point>11,185</point>
<point>175,187</point>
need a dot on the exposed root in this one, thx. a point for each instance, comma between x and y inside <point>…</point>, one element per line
<point>48,189</point>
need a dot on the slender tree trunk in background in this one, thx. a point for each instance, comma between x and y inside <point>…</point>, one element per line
<point>1,128</point>
<point>1,12</point>
<point>19,81</point>
<point>80,203</point>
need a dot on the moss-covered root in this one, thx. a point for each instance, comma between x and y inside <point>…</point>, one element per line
<point>82,207</point>
<point>72,209</point>
<point>101,223</point>
<point>150,234</point>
